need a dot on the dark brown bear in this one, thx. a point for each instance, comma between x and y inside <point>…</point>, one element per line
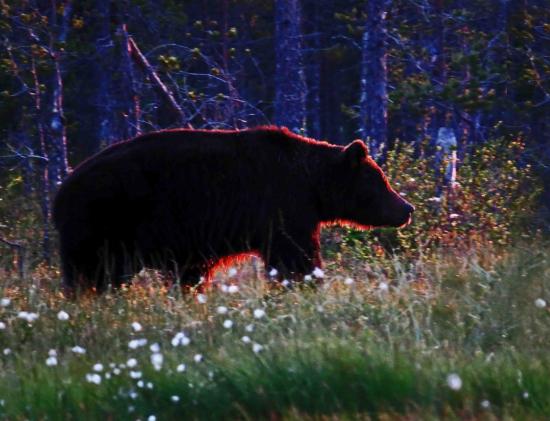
<point>183,199</point>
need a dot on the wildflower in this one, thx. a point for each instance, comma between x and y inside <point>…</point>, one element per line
<point>157,359</point>
<point>454,216</point>
<point>93,378</point>
<point>136,343</point>
<point>249,328</point>
<point>307,278</point>
<point>273,272</point>
<point>63,316</point>
<point>201,298</point>
<point>257,348</point>
<point>149,385</point>
<point>525,395</point>
<point>2,325</point>
<point>4,302</point>
<point>140,384</point>
<point>259,313</point>
<point>116,371</point>
<point>155,347</point>
<point>78,350</point>
<point>285,283</point>
<point>131,408</point>
<point>232,289</point>
<point>540,303</point>
<point>136,326</point>
<point>7,351</point>
<point>51,361</point>
<point>232,272</point>
<point>107,376</point>
<point>318,273</point>
<point>434,199</point>
<point>245,339</point>
<point>98,367</point>
<point>180,339</point>
<point>175,398</point>
<point>180,368</point>
<point>131,363</point>
<point>135,374</point>
<point>132,394</point>
<point>221,310</point>
<point>223,288</point>
<point>383,287</point>
<point>228,324</point>
<point>151,418</point>
<point>320,309</point>
<point>29,317</point>
<point>454,381</point>
<point>198,358</point>
<point>485,404</point>
<point>52,353</point>
<point>348,281</point>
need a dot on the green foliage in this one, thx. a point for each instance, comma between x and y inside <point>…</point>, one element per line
<point>491,202</point>
<point>357,346</point>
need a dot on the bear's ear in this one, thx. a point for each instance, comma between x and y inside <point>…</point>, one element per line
<point>355,153</point>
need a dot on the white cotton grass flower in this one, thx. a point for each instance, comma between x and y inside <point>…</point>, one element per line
<point>224,288</point>
<point>98,367</point>
<point>180,339</point>
<point>285,283</point>
<point>6,351</point>
<point>181,368</point>
<point>131,363</point>
<point>63,316</point>
<point>2,326</point>
<point>93,378</point>
<point>149,385</point>
<point>233,289</point>
<point>157,359</point>
<point>259,313</point>
<point>51,361</point>
<point>540,303</point>
<point>485,404</point>
<point>454,382</point>
<point>383,287</point>
<point>349,281</point>
<point>151,418</point>
<point>136,327</point>
<point>136,343</point>
<point>318,273</point>
<point>221,310</point>
<point>308,278</point>
<point>273,272</point>
<point>116,371</point>
<point>246,339</point>
<point>52,353</point>
<point>249,328</point>
<point>232,272</point>
<point>28,316</point>
<point>202,299</point>
<point>140,384</point>
<point>257,348</point>
<point>78,349</point>
<point>198,358</point>
<point>155,347</point>
<point>135,374</point>
<point>175,398</point>
<point>4,302</point>
<point>228,324</point>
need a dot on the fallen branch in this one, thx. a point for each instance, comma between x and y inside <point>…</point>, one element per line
<point>142,62</point>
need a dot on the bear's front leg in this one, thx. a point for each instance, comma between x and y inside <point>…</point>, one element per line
<point>292,256</point>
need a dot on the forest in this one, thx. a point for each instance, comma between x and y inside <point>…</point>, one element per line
<point>446,318</point>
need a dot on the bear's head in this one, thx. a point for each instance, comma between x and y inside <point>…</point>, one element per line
<point>360,192</point>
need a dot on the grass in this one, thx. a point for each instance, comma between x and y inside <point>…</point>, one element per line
<point>380,347</point>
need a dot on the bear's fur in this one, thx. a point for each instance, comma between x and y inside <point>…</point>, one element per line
<point>185,199</point>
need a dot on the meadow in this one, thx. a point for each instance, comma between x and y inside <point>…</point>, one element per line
<point>458,337</point>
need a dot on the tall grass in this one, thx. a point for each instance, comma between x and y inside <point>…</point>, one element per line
<point>381,341</point>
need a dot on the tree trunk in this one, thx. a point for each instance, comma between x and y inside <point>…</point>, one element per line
<point>374,94</point>
<point>57,134</point>
<point>290,84</point>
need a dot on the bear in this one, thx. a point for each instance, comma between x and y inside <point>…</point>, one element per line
<point>185,199</point>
